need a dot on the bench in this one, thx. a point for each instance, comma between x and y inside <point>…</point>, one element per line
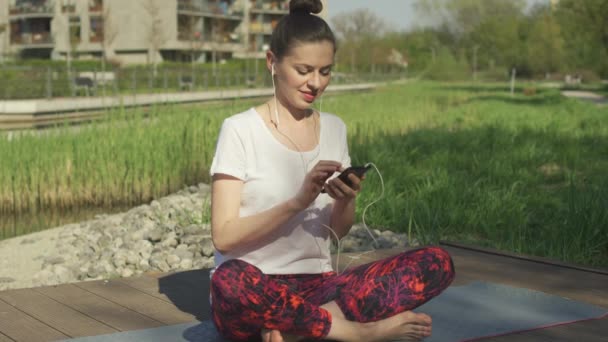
<point>186,83</point>
<point>87,84</point>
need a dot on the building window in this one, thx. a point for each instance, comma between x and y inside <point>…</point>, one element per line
<point>96,33</point>
<point>75,30</point>
<point>68,6</point>
<point>95,5</point>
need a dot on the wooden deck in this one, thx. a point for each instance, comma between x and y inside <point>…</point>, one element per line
<point>153,300</point>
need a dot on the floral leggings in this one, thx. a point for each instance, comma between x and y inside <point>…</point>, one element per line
<point>245,300</point>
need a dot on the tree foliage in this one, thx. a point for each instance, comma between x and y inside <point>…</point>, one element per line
<point>491,36</point>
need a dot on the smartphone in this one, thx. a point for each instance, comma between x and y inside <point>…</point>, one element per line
<point>359,171</point>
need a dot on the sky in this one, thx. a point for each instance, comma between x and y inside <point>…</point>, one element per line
<point>399,14</point>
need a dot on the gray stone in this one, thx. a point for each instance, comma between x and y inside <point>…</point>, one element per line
<point>54,260</point>
<point>155,235</point>
<point>186,264</point>
<point>173,260</point>
<point>193,239</point>
<point>207,247</point>
<point>127,272</point>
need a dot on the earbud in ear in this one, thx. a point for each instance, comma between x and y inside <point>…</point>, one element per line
<point>272,69</point>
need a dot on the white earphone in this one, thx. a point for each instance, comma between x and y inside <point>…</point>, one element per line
<point>274,90</point>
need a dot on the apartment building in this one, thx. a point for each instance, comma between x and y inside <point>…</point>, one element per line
<point>138,31</point>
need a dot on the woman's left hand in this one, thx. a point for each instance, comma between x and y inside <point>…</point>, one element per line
<point>339,191</point>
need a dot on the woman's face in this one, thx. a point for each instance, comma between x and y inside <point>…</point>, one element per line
<point>303,74</point>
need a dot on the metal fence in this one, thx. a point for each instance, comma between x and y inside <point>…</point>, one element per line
<point>33,82</point>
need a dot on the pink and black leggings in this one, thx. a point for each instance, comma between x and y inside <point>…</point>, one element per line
<point>245,300</point>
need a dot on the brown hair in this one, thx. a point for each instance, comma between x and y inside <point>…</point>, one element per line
<point>300,26</point>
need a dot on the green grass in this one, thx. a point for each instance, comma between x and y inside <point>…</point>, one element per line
<point>464,162</point>
<point>473,164</point>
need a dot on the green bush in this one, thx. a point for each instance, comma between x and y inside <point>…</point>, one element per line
<point>447,68</point>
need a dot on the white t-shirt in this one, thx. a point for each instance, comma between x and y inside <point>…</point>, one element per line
<point>272,173</point>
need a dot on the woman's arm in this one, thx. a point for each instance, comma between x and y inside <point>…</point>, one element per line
<point>343,216</point>
<point>229,231</point>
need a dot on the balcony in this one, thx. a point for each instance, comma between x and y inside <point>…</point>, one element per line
<point>270,7</point>
<point>260,28</point>
<point>209,9</point>
<point>32,9</point>
<point>35,39</point>
<point>69,9</point>
<point>96,6</point>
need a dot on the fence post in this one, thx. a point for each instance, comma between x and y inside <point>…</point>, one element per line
<point>134,81</point>
<point>165,79</point>
<point>193,86</point>
<point>49,84</point>
<point>71,82</point>
<point>150,80</point>
<point>513,74</point>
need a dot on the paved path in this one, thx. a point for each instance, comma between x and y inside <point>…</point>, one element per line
<point>35,113</point>
<point>586,96</point>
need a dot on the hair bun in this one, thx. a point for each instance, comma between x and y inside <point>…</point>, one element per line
<point>305,6</point>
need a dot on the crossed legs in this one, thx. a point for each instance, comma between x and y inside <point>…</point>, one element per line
<point>370,302</point>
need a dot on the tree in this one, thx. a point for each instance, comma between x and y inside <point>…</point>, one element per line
<point>585,32</point>
<point>358,23</point>
<point>219,30</point>
<point>463,16</point>
<point>545,44</point>
<point>356,27</point>
<point>156,36</point>
<point>190,30</point>
<point>487,31</point>
<point>108,35</point>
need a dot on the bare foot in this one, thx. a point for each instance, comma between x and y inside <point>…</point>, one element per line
<point>277,336</point>
<point>406,326</point>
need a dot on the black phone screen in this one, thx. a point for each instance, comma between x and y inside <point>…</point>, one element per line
<point>357,170</point>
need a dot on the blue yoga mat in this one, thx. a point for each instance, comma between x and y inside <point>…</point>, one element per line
<point>480,309</point>
<point>460,313</point>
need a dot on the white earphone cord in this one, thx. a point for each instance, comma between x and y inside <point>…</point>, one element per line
<point>335,235</point>
<point>338,242</point>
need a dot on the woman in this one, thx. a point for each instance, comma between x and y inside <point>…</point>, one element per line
<point>275,206</point>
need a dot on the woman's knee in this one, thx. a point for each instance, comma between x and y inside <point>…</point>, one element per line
<point>443,260</point>
<point>232,277</point>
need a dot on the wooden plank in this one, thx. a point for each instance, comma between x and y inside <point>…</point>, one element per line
<point>141,302</point>
<point>18,326</point>
<point>588,331</point>
<point>537,259</point>
<point>100,309</point>
<point>55,314</point>
<point>187,290</point>
<point>4,338</point>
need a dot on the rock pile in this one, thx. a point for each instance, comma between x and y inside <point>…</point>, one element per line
<point>170,234</point>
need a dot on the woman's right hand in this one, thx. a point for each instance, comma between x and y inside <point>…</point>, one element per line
<point>314,181</point>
